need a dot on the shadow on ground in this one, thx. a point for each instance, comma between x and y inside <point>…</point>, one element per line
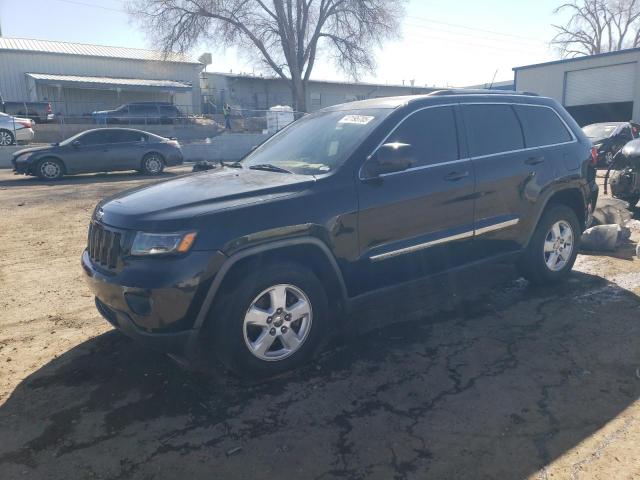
<point>24,181</point>
<point>493,389</point>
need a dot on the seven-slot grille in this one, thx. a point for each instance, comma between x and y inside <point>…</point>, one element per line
<point>104,245</point>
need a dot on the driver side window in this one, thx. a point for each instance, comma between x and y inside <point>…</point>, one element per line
<point>93,138</point>
<point>433,135</point>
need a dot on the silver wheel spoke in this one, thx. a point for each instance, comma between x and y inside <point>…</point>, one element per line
<point>548,246</point>
<point>553,260</point>
<point>290,340</point>
<point>256,316</point>
<point>298,309</point>
<point>555,230</point>
<point>263,343</point>
<point>278,296</point>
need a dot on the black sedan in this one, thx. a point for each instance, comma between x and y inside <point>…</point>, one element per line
<point>609,138</point>
<point>100,150</point>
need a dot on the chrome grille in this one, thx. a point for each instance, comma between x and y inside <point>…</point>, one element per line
<point>104,245</point>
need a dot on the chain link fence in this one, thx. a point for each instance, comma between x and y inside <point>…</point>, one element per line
<point>173,121</point>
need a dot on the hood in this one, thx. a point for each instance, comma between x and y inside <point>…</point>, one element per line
<point>178,203</point>
<point>32,150</point>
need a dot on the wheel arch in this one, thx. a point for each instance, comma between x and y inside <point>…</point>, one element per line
<point>38,160</point>
<point>572,198</point>
<point>308,251</point>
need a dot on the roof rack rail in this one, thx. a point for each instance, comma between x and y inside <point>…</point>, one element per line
<point>474,91</point>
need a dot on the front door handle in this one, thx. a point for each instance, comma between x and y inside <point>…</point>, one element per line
<point>455,176</point>
<point>534,160</point>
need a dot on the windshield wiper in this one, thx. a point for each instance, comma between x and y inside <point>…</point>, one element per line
<point>231,164</point>
<point>269,168</point>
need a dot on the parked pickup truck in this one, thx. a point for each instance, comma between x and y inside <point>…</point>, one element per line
<point>39,112</point>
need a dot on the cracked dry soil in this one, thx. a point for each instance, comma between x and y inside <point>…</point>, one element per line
<point>512,382</point>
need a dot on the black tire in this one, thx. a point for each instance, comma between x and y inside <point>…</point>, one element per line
<point>228,316</point>
<point>50,169</point>
<point>152,164</point>
<point>533,265</point>
<point>6,138</point>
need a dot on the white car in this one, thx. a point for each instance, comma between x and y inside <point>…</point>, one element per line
<point>15,129</point>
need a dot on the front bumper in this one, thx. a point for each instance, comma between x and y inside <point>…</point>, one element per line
<point>155,301</point>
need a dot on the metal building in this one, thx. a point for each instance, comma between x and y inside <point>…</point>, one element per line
<point>596,88</point>
<point>81,78</point>
<point>252,92</point>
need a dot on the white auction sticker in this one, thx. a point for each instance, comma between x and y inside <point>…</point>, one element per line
<point>356,119</point>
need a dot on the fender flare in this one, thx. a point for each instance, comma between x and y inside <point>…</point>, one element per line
<point>256,250</point>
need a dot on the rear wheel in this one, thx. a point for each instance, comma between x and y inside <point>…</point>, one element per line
<point>553,248</point>
<point>272,321</point>
<point>6,138</point>
<point>152,164</point>
<point>50,169</point>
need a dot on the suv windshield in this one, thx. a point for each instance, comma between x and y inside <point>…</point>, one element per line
<point>600,131</point>
<point>316,144</point>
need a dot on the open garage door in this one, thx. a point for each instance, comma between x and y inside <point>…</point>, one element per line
<point>611,84</point>
<point>603,94</point>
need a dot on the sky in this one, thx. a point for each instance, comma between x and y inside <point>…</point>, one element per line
<point>444,43</point>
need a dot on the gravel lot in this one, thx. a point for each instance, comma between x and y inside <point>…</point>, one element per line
<point>509,382</point>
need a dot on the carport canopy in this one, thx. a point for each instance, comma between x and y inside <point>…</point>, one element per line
<point>109,83</point>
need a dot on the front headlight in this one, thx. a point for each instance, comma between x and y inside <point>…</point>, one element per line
<point>162,243</point>
<point>24,157</point>
<point>598,146</point>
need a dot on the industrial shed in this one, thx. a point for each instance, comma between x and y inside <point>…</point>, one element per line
<point>254,92</point>
<point>81,78</point>
<point>596,88</point>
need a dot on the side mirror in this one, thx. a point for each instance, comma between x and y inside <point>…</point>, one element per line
<point>389,158</point>
<point>76,143</point>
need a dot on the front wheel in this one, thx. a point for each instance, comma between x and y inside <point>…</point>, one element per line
<point>553,248</point>
<point>273,320</point>
<point>50,169</point>
<point>152,164</point>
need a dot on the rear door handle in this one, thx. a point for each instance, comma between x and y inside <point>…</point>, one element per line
<point>455,176</point>
<point>534,160</point>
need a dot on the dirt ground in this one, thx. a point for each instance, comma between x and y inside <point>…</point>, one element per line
<point>515,382</point>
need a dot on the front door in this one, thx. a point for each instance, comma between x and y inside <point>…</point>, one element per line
<point>418,221</point>
<point>89,153</point>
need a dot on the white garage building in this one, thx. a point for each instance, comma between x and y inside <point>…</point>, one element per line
<point>595,88</point>
<point>79,78</point>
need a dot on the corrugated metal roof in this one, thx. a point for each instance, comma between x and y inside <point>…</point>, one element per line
<point>110,81</point>
<point>48,46</point>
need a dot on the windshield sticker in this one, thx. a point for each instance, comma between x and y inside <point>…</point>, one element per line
<point>356,119</point>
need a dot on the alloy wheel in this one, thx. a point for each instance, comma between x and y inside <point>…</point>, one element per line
<point>277,322</point>
<point>558,246</point>
<point>153,164</point>
<point>5,138</point>
<point>50,169</point>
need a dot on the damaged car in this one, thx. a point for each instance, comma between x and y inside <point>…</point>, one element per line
<point>257,263</point>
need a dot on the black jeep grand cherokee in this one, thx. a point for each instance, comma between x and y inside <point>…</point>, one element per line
<point>253,261</point>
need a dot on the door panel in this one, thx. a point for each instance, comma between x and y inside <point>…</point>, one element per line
<point>90,155</point>
<point>417,222</point>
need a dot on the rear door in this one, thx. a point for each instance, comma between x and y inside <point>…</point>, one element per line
<point>125,149</point>
<point>418,221</point>
<point>504,170</point>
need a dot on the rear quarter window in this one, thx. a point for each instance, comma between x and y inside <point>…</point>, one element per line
<point>492,129</point>
<point>542,126</point>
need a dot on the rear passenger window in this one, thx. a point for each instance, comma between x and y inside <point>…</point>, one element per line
<point>542,126</point>
<point>492,129</point>
<point>432,133</point>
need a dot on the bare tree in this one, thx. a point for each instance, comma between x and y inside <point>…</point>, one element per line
<point>285,35</point>
<point>598,26</point>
